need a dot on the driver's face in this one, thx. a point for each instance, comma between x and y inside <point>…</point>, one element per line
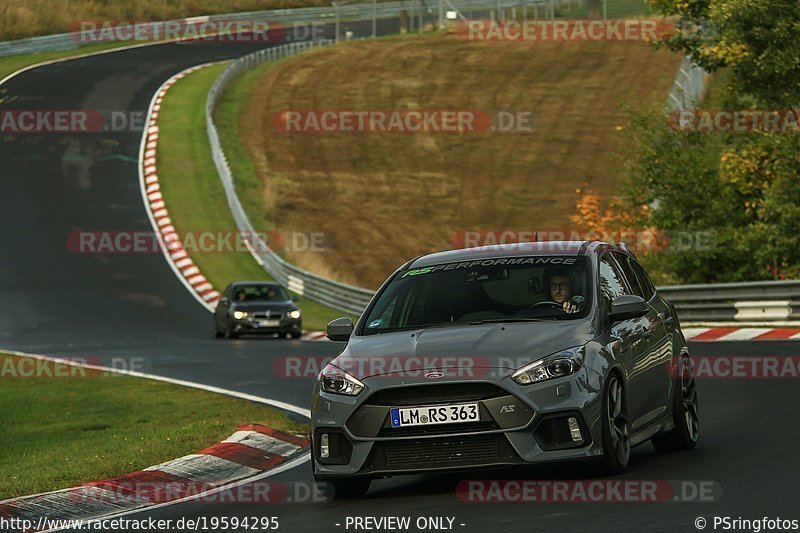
<point>560,289</point>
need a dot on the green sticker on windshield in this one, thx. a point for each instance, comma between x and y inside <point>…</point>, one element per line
<point>417,272</point>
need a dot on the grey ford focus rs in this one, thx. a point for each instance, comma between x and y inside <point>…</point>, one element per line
<point>500,356</point>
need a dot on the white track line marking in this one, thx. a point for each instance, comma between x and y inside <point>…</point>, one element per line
<point>209,388</point>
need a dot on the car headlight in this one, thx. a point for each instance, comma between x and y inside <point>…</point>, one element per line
<point>238,315</point>
<point>559,364</point>
<point>335,380</point>
<point>294,314</point>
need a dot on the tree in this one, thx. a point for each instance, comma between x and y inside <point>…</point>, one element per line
<point>756,39</point>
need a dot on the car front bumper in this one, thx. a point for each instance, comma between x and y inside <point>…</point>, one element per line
<point>285,325</point>
<point>362,442</point>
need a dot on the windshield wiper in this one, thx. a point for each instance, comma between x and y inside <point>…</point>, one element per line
<point>420,326</point>
<point>500,320</point>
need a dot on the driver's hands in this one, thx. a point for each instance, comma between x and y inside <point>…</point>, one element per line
<point>573,305</point>
<point>569,308</point>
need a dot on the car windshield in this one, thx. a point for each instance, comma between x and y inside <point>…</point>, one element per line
<point>489,290</point>
<point>259,293</point>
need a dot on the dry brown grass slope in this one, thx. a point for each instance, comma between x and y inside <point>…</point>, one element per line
<point>383,198</point>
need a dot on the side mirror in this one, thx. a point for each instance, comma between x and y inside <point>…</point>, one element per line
<point>296,298</point>
<point>626,307</point>
<point>223,300</point>
<point>340,329</point>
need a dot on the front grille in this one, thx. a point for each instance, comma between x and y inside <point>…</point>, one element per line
<point>267,315</point>
<point>438,429</point>
<point>442,452</point>
<point>434,394</point>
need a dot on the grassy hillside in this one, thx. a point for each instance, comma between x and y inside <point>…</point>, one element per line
<point>399,195</point>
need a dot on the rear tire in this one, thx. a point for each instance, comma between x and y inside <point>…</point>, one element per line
<point>685,413</point>
<point>616,429</point>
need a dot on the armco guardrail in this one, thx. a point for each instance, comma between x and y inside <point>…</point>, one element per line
<point>325,14</point>
<point>756,301</point>
<point>332,293</point>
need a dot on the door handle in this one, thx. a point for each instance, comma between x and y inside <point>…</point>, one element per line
<point>647,333</point>
<point>668,322</point>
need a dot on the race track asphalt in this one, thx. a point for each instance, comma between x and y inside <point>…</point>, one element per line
<point>132,307</point>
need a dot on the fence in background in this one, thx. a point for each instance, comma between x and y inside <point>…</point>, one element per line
<point>688,87</point>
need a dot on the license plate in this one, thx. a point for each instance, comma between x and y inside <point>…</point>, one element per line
<point>435,414</point>
<point>269,323</point>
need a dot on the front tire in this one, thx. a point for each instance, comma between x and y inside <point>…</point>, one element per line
<point>685,413</point>
<point>229,332</point>
<point>616,429</point>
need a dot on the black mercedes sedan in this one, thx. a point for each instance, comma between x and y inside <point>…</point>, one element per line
<point>257,307</point>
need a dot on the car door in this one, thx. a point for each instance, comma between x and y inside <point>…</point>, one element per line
<point>664,322</point>
<point>633,346</point>
<point>655,349</point>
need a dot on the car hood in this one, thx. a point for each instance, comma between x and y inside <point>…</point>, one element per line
<point>509,346</point>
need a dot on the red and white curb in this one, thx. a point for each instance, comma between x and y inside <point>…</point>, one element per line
<point>251,451</point>
<point>174,251</point>
<point>314,336</point>
<point>726,334</point>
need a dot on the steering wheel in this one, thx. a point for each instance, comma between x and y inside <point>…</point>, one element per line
<point>546,302</point>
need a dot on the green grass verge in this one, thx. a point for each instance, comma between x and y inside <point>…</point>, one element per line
<point>194,195</point>
<point>12,64</point>
<point>58,432</point>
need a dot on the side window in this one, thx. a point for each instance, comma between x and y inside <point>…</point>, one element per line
<point>630,275</point>
<point>647,285</point>
<point>611,281</point>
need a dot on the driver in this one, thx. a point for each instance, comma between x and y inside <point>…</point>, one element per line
<point>559,284</point>
<point>241,295</point>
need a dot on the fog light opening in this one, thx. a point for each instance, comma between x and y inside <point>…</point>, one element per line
<point>324,447</point>
<point>574,429</point>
